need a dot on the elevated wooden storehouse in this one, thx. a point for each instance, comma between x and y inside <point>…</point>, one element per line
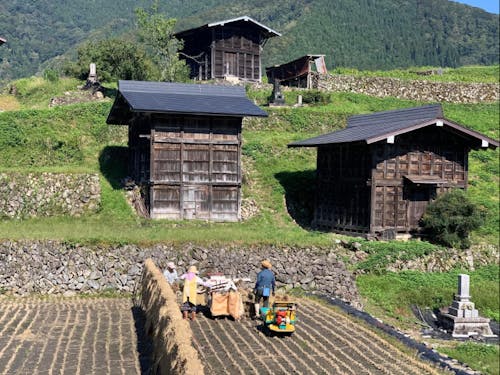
<point>185,146</point>
<point>378,174</point>
<point>300,72</point>
<point>228,49</point>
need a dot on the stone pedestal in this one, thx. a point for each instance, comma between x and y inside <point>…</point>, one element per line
<point>278,99</point>
<point>462,319</point>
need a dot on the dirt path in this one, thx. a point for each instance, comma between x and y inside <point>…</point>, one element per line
<point>69,336</point>
<point>326,342</point>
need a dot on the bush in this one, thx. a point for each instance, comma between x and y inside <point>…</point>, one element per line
<point>315,97</point>
<point>51,75</point>
<point>451,217</point>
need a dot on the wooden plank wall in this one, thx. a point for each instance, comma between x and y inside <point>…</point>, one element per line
<point>342,202</point>
<point>236,52</point>
<point>396,202</point>
<point>196,168</point>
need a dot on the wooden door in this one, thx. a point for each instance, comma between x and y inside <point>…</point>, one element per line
<point>195,202</point>
<point>230,64</point>
<point>418,197</point>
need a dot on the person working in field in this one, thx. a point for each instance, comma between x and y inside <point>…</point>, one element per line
<point>264,286</point>
<point>191,281</point>
<point>170,273</point>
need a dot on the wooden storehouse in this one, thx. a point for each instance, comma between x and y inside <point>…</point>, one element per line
<point>376,176</point>
<point>185,146</point>
<point>300,72</point>
<point>229,49</point>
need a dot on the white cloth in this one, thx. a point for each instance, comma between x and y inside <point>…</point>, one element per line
<point>170,276</point>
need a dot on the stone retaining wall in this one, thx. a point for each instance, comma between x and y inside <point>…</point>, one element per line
<point>48,194</point>
<point>171,336</point>
<point>428,91</point>
<point>52,267</point>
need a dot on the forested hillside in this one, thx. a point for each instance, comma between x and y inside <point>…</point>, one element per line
<point>364,34</point>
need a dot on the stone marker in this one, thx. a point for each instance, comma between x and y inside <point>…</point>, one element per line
<point>92,74</point>
<point>463,319</point>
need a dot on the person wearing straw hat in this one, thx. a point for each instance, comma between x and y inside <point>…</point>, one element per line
<point>191,281</point>
<point>264,286</point>
<point>170,273</point>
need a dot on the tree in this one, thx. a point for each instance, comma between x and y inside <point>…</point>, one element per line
<point>157,32</point>
<point>114,58</point>
<point>451,217</point>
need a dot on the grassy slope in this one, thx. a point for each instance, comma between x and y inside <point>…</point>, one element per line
<point>465,74</point>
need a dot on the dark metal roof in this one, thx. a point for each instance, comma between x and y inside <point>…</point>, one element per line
<point>381,125</point>
<point>182,98</point>
<point>268,32</point>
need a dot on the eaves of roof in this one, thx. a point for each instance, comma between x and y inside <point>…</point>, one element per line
<point>270,32</point>
<point>176,98</point>
<point>378,132</point>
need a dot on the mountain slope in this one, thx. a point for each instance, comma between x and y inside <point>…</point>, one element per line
<point>364,34</point>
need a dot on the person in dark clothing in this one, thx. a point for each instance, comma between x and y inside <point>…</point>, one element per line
<point>264,286</point>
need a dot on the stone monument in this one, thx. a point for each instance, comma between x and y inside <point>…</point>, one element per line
<point>462,318</point>
<point>278,98</point>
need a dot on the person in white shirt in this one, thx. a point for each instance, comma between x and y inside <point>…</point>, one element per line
<point>170,273</point>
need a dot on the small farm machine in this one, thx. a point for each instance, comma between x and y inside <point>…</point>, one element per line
<point>280,317</point>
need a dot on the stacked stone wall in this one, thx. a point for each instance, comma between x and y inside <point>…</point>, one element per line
<point>48,194</point>
<point>51,267</point>
<point>421,90</point>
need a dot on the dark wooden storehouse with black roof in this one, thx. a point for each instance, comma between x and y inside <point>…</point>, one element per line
<point>376,176</point>
<point>226,49</point>
<point>302,72</point>
<point>185,146</point>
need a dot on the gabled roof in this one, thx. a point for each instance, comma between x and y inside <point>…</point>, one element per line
<point>267,31</point>
<point>382,125</point>
<point>180,98</point>
<point>2,41</point>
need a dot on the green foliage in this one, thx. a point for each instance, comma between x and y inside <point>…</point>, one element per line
<point>157,31</point>
<point>480,357</point>
<point>450,219</point>
<point>394,293</point>
<point>315,97</point>
<point>114,58</point>
<point>382,254</point>
<point>51,75</point>
<point>52,137</point>
<point>36,92</point>
<point>392,34</point>
<point>464,74</point>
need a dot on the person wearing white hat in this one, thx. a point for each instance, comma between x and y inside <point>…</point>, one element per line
<point>170,273</point>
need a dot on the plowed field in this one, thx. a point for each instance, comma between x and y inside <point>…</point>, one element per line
<point>326,342</point>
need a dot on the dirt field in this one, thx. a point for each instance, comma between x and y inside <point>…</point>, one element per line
<point>69,336</point>
<point>105,336</point>
<point>326,342</point>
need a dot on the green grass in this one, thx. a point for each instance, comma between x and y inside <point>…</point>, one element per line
<point>392,294</point>
<point>464,74</point>
<point>382,254</point>
<point>36,92</point>
<point>480,357</point>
